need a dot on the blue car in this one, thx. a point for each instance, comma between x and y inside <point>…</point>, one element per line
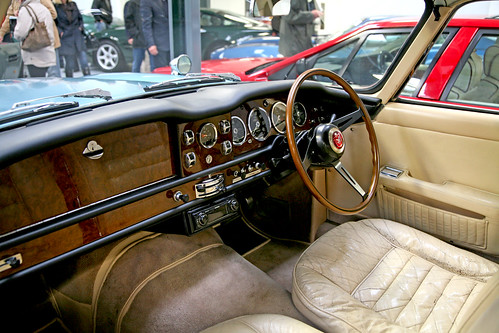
<point>265,47</point>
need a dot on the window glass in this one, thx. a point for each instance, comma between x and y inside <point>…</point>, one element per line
<point>373,58</point>
<point>413,84</point>
<point>334,61</point>
<point>478,79</point>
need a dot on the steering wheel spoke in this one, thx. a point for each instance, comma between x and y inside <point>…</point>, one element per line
<point>324,145</point>
<point>344,122</point>
<point>338,166</point>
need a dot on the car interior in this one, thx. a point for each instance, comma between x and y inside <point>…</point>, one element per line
<point>280,206</point>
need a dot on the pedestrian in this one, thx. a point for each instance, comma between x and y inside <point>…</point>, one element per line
<point>53,71</point>
<point>104,18</point>
<point>70,24</point>
<point>155,27</point>
<point>40,60</point>
<point>133,27</point>
<point>296,28</point>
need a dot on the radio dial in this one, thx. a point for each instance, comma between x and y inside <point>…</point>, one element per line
<point>202,219</point>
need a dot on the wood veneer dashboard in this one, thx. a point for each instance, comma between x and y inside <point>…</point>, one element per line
<point>73,183</point>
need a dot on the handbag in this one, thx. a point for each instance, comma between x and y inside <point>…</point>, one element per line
<point>38,36</point>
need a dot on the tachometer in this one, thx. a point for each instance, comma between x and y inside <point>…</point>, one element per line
<point>279,117</point>
<point>299,114</point>
<point>238,131</point>
<point>259,124</point>
<point>207,135</point>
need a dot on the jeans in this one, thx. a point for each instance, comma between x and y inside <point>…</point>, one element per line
<point>99,26</point>
<point>138,58</point>
<point>55,71</point>
<point>70,61</point>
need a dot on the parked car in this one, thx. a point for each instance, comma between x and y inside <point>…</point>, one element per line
<point>11,61</point>
<point>109,48</point>
<point>196,202</point>
<point>364,54</point>
<point>265,47</point>
<point>220,28</point>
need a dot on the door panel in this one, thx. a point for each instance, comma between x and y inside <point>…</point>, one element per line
<point>449,162</point>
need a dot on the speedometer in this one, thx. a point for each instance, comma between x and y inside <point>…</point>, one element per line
<point>207,135</point>
<point>259,124</point>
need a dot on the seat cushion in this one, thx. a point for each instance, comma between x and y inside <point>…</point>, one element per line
<point>376,274</point>
<point>262,323</point>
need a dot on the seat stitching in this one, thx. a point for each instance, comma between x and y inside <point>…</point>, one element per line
<point>312,305</point>
<point>372,270</point>
<point>461,309</point>
<point>416,291</point>
<point>405,265</point>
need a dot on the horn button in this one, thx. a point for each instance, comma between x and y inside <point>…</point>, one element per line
<point>330,145</point>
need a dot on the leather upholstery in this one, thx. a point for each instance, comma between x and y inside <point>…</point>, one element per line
<point>262,323</point>
<point>378,275</point>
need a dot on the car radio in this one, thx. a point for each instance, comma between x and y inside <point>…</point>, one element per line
<point>219,211</point>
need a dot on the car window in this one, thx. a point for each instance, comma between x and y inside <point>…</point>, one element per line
<point>477,81</point>
<point>415,81</point>
<point>370,59</point>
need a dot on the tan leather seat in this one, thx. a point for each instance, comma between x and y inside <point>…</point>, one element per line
<point>262,323</point>
<point>377,275</point>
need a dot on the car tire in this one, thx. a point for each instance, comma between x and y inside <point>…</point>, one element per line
<point>212,47</point>
<point>108,57</point>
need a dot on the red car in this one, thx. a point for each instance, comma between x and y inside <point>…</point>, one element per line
<point>363,55</point>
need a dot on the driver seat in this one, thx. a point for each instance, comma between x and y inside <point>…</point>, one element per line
<point>377,275</point>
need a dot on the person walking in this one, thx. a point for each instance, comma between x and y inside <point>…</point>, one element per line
<point>40,60</point>
<point>155,27</point>
<point>70,23</point>
<point>133,27</point>
<point>296,28</point>
<point>104,19</point>
<point>13,10</point>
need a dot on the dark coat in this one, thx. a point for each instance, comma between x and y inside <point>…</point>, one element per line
<point>296,29</point>
<point>70,29</point>
<point>133,23</point>
<point>155,24</point>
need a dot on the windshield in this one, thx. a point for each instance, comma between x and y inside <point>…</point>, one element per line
<point>109,59</point>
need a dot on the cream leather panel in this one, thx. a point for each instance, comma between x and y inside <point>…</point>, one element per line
<point>378,275</point>
<point>262,323</point>
<point>450,158</point>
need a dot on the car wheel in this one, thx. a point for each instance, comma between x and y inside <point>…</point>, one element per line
<point>109,57</point>
<point>212,47</point>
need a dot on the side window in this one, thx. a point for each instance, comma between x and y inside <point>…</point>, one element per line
<point>370,61</point>
<point>413,84</point>
<point>477,82</point>
<point>334,61</point>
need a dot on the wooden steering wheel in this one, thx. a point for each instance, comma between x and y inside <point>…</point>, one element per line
<point>323,145</point>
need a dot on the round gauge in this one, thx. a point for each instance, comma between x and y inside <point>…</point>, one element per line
<point>207,135</point>
<point>299,114</point>
<point>279,117</point>
<point>238,131</point>
<point>259,124</point>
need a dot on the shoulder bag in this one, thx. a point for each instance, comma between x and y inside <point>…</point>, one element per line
<point>38,36</point>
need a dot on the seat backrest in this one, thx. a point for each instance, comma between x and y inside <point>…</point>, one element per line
<point>470,76</point>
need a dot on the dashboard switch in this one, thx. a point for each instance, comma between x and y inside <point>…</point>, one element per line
<point>190,159</point>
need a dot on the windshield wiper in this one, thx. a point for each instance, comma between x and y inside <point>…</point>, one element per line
<point>91,93</point>
<point>24,115</point>
<point>194,79</point>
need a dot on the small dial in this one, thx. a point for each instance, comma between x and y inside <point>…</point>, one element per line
<point>238,131</point>
<point>279,117</point>
<point>299,114</point>
<point>207,135</point>
<point>259,124</point>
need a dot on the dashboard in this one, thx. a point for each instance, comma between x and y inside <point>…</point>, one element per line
<point>78,182</point>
